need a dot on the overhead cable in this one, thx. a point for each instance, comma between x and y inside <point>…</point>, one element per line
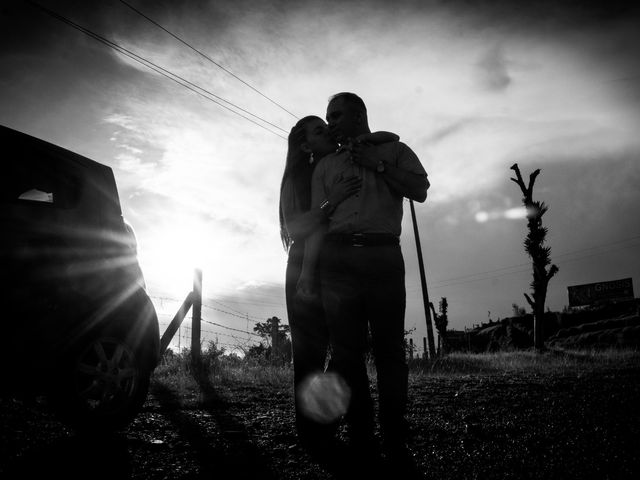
<point>162,71</point>
<point>206,57</point>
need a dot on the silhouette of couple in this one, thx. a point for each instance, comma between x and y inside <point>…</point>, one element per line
<point>341,206</point>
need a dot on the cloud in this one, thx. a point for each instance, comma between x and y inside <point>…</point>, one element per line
<point>447,131</point>
<point>471,87</point>
<point>133,165</point>
<point>492,69</point>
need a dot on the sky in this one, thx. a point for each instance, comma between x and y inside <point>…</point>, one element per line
<point>471,86</point>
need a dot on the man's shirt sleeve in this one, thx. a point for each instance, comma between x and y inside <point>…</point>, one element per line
<point>408,160</point>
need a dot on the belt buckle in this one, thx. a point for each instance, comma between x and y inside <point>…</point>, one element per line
<point>355,242</point>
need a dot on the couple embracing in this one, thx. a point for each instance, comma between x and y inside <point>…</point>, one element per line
<point>341,207</point>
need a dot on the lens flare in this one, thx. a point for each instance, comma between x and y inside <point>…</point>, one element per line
<point>482,217</point>
<point>516,213</point>
<point>510,214</point>
<point>324,397</point>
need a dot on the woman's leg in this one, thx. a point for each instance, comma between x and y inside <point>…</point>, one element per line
<point>310,342</point>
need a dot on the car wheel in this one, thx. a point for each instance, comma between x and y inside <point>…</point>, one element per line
<point>104,384</point>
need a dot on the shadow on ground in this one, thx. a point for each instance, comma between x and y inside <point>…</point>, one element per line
<point>227,449</point>
<point>77,456</point>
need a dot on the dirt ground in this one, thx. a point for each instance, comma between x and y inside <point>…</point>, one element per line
<point>522,425</point>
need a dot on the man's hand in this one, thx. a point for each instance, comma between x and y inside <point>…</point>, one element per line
<point>364,154</point>
<point>407,184</point>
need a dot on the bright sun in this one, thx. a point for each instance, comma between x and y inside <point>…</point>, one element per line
<point>169,255</point>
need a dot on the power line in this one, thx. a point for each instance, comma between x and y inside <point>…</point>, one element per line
<point>468,279</point>
<point>207,57</point>
<point>600,246</point>
<point>162,71</point>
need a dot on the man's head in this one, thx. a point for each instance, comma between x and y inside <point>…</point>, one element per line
<point>347,116</point>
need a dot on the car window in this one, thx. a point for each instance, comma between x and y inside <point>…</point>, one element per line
<point>39,180</point>
<point>36,195</point>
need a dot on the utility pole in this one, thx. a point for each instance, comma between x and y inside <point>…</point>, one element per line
<point>423,279</point>
<point>274,341</point>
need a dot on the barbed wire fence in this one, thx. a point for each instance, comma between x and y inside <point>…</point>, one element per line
<point>176,336</point>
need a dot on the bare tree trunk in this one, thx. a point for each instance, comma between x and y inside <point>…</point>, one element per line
<point>539,253</point>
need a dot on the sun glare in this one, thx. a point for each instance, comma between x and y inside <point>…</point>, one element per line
<point>510,214</point>
<point>170,255</point>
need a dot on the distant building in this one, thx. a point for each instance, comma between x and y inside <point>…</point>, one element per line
<point>595,293</point>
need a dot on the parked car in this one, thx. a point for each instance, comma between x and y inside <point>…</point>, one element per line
<point>77,323</point>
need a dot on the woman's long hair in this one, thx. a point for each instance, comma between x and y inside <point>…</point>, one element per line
<point>298,170</point>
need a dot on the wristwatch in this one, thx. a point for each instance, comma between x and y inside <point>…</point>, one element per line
<point>380,167</point>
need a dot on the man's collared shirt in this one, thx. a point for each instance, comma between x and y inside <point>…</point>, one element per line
<point>375,208</point>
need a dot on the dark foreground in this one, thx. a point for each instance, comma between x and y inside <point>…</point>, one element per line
<point>571,424</point>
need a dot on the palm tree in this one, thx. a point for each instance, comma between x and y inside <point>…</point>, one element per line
<point>442,321</point>
<point>539,253</point>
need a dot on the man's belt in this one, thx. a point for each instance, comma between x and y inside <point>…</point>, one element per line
<point>363,239</point>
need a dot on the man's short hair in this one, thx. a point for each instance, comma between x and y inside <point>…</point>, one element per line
<point>352,99</point>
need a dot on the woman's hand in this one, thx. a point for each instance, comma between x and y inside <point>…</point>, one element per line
<point>343,189</point>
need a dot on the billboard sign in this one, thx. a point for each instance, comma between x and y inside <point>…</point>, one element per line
<point>591,293</point>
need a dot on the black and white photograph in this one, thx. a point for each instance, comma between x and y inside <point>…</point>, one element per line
<point>336,239</point>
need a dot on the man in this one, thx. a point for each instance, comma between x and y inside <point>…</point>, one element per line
<point>362,271</point>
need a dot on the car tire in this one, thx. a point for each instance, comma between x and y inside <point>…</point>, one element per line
<point>103,384</point>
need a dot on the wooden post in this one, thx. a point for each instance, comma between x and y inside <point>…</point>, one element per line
<point>196,318</point>
<point>423,279</point>
<point>424,347</point>
<point>175,323</point>
<point>411,349</point>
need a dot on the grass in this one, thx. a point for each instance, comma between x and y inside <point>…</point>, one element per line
<point>549,362</point>
<point>177,371</point>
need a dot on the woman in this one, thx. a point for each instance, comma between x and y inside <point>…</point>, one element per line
<point>308,142</point>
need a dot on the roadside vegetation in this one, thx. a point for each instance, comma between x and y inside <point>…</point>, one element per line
<point>177,369</point>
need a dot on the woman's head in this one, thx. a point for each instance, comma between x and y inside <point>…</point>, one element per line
<point>310,136</point>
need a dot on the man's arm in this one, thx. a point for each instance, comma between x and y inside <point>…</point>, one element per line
<point>414,186</point>
<point>402,181</point>
<point>377,138</point>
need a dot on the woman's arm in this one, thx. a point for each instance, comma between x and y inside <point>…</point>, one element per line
<point>306,287</point>
<point>302,225</point>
